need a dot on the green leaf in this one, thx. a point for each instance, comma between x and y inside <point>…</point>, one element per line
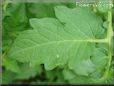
<point>53,76</point>
<point>105,24</point>
<point>80,80</point>
<point>103,6</point>
<point>68,75</point>
<point>8,77</point>
<point>11,64</point>
<point>14,10</point>
<point>13,22</point>
<point>24,73</point>
<point>89,26</point>
<point>27,72</point>
<point>73,78</point>
<point>40,10</point>
<point>62,41</point>
<point>99,58</point>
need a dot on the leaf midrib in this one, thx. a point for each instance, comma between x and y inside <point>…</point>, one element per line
<point>43,44</point>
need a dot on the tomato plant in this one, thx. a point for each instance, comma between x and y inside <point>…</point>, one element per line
<point>57,43</point>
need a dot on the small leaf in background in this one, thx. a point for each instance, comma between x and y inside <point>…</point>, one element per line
<point>105,24</point>
<point>40,10</point>
<point>11,65</point>
<point>27,72</point>
<point>8,77</point>
<point>68,74</point>
<point>103,5</point>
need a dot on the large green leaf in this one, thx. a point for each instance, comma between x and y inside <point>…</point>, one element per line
<point>63,41</point>
<point>84,21</point>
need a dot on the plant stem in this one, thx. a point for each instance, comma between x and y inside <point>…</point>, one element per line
<point>5,5</point>
<point>109,37</point>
